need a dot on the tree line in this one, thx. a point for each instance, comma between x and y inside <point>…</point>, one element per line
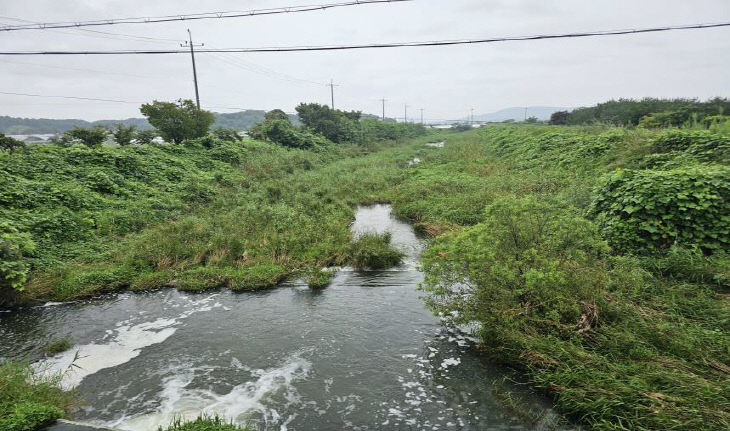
<point>647,112</point>
<point>178,121</point>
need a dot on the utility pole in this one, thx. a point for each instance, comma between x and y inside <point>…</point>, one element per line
<point>421,115</point>
<point>383,100</point>
<point>332,86</point>
<point>525,114</point>
<point>405,113</point>
<point>195,72</point>
<point>471,116</point>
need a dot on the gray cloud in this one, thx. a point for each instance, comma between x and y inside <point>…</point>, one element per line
<point>446,81</point>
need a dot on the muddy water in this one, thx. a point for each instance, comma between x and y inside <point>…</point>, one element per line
<point>362,354</point>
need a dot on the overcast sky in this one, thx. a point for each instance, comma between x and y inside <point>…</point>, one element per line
<point>445,81</point>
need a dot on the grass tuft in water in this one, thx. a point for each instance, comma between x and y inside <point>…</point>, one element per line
<point>204,423</point>
<point>57,346</point>
<point>317,278</point>
<point>374,251</point>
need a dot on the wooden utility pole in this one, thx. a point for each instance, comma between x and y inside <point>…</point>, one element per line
<point>383,100</point>
<point>421,115</point>
<point>405,113</point>
<point>195,72</point>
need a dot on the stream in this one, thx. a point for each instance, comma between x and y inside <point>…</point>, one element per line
<point>361,354</point>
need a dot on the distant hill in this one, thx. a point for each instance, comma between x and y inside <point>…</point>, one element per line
<point>518,114</point>
<point>25,126</point>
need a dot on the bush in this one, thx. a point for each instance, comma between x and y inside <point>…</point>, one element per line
<point>9,144</point>
<point>373,251</point>
<point>226,134</point>
<point>92,137</point>
<point>703,145</point>
<point>653,210</point>
<point>530,267</point>
<point>284,133</point>
<point>14,248</point>
<point>144,137</point>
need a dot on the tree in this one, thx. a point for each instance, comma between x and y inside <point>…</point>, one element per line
<point>179,121</point>
<point>91,137</point>
<point>276,114</point>
<point>144,137</point>
<point>8,143</point>
<point>226,134</point>
<point>531,120</point>
<point>337,126</point>
<point>559,118</point>
<point>123,135</point>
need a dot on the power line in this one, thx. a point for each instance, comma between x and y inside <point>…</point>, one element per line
<point>70,97</point>
<point>190,17</point>
<point>108,100</point>
<point>382,45</point>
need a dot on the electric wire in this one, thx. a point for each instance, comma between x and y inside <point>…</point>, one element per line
<point>382,45</point>
<point>189,17</point>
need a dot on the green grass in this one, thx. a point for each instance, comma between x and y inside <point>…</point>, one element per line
<point>57,346</point>
<point>29,402</point>
<point>204,423</point>
<point>373,251</point>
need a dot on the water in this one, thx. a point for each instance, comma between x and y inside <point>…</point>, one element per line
<point>362,354</point>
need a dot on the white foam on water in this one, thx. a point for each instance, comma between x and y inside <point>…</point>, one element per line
<point>120,345</point>
<point>176,400</point>
<point>53,304</point>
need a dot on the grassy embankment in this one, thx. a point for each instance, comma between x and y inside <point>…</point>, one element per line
<point>598,267</point>
<point>589,283</point>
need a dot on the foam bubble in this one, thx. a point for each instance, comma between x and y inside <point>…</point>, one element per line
<point>176,400</point>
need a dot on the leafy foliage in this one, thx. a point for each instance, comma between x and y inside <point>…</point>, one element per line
<point>29,402</point>
<point>123,135</point>
<point>335,125</point>
<point>92,137</point>
<point>178,121</point>
<point>654,210</point>
<point>659,112</point>
<point>9,144</point>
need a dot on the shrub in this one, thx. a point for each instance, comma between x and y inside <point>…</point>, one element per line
<point>284,133</point>
<point>226,134</point>
<point>14,248</point>
<point>652,210</point>
<point>10,144</point>
<point>374,251</point>
<point>530,267</point>
<point>700,144</point>
<point>92,137</point>
<point>144,137</point>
